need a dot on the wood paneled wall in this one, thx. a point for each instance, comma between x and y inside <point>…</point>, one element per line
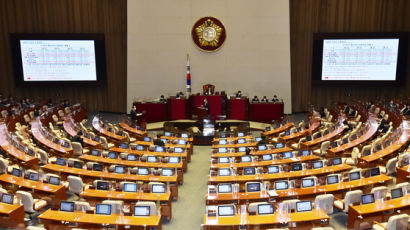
<point>69,16</point>
<point>328,16</point>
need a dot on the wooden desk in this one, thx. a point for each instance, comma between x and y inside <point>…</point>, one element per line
<point>265,163</point>
<point>131,197</point>
<point>13,212</point>
<point>331,135</point>
<point>264,221</point>
<point>51,217</point>
<point>184,154</point>
<point>65,170</point>
<point>216,139</point>
<point>265,112</point>
<point>278,176</point>
<point>35,130</point>
<point>271,151</point>
<point>377,211</point>
<point>167,145</point>
<point>72,132</point>
<point>372,129</point>
<point>132,130</point>
<point>340,187</point>
<point>278,130</point>
<point>101,130</point>
<point>402,174</point>
<point>110,161</point>
<point>239,197</point>
<point>24,158</point>
<point>247,144</point>
<point>371,159</point>
<point>58,191</point>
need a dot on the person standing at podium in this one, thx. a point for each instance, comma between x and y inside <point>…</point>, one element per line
<point>206,106</point>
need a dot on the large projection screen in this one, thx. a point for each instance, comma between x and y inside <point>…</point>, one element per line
<point>359,58</point>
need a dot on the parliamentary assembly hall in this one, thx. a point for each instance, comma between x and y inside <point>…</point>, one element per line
<point>205,114</point>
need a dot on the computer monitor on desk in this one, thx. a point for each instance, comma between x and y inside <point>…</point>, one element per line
<point>142,211</point>
<point>184,135</point>
<point>222,150</point>
<point>337,161</point>
<point>246,158</point>
<point>354,176</point>
<point>397,193</point>
<point>147,139</point>
<point>241,141</point>
<point>95,152</point>
<point>7,198</point>
<point>281,185</point>
<point>103,185</point>
<point>332,179</point>
<point>253,187</point>
<point>54,180</point>
<point>224,172</point>
<point>226,210</point>
<point>265,209</point>
<point>296,167</point>
<point>181,142</point>
<point>60,161</point>
<point>167,172</point>
<point>159,149</point>
<point>142,171</point>
<point>368,198</point>
<point>130,187</point>
<point>223,141</point>
<point>167,134</point>
<point>103,209</point>
<point>287,155</point>
<point>241,134</point>
<point>173,160</point>
<point>261,147</point>
<point>304,206</point>
<point>158,188</point>
<point>178,150</point>
<point>308,182</point>
<point>16,172</point>
<point>119,169</point>
<point>66,206</point>
<point>223,160</point>
<point>123,145</point>
<point>97,167</point>
<point>280,145</point>
<point>242,149</point>
<point>140,147</point>
<point>267,157</point>
<point>318,164</point>
<point>273,169</point>
<point>131,157</point>
<point>224,188</point>
<point>33,176</point>
<point>375,171</point>
<point>249,171</point>
<point>151,159</point>
<point>112,155</point>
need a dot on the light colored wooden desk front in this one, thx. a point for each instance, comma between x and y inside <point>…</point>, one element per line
<point>35,130</point>
<point>278,130</point>
<point>265,163</point>
<point>12,211</point>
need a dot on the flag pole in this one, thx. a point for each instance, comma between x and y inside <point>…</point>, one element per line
<point>188,76</point>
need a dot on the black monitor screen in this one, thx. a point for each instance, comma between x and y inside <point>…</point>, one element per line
<point>97,167</point>
<point>131,157</point>
<point>253,187</point>
<point>264,209</point>
<point>368,198</point>
<point>60,161</point>
<point>54,180</point>
<point>33,176</point>
<point>78,164</point>
<point>103,185</point>
<point>396,193</point>
<point>16,172</point>
<point>112,155</point>
<point>334,179</point>
<point>268,128</point>
<point>249,171</point>
<point>141,211</point>
<point>354,176</point>
<point>67,206</point>
<point>375,171</point>
<point>306,183</point>
<point>296,167</point>
<point>103,209</point>
<point>7,198</point>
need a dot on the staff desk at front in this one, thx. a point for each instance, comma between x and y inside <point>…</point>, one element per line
<point>15,152</point>
<point>376,211</point>
<point>128,163</point>
<point>351,144</point>
<point>52,219</point>
<point>57,191</point>
<point>278,176</point>
<point>70,130</point>
<point>65,170</point>
<point>35,130</point>
<point>265,221</point>
<point>278,130</point>
<point>101,130</point>
<point>265,163</point>
<point>129,197</point>
<point>340,187</point>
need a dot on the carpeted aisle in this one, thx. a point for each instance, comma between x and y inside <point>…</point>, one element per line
<point>188,212</point>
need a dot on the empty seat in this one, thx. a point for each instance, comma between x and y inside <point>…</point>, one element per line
<point>78,149</point>
<point>30,205</point>
<point>398,222</point>
<point>379,192</point>
<point>116,206</point>
<point>75,184</point>
<point>325,202</point>
<point>350,197</point>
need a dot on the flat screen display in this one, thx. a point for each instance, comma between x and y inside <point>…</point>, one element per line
<point>264,209</point>
<point>261,147</point>
<point>253,187</point>
<point>241,141</point>
<point>242,149</point>
<point>354,176</point>
<point>141,211</point>
<point>131,157</point>
<point>359,57</point>
<point>178,150</point>
<point>226,210</point>
<point>224,172</point>
<point>367,198</point>
<point>184,135</point>
<point>223,160</point>
<point>151,159</point>
<point>267,157</point>
<point>306,183</point>
<point>222,150</point>
<point>130,187</point>
<point>60,161</point>
<point>140,147</point>
<point>97,167</point>
<point>7,198</point>
<point>224,188</point>
<point>246,158</point>
<point>103,209</point>
<point>287,155</point>
<point>396,193</point>
<point>223,141</point>
<point>66,206</point>
<point>58,58</point>
<point>54,180</point>
<point>303,206</point>
<point>281,185</point>
<point>119,169</point>
<point>273,169</point>
<point>159,149</point>
<point>173,160</point>
<point>103,185</point>
<point>142,171</point>
<point>16,172</point>
<point>167,172</point>
<point>334,179</point>
<point>33,176</point>
<point>318,164</point>
<point>158,188</point>
<point>249,171</point>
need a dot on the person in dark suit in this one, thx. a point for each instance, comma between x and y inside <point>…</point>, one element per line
<point>238,94</point>
<point>133,113</point>
<point>158,141</point>
<point>78,137</point>
<point>275,99</point>
<point>264,99</point>
<point>206,106</point>
<point>255,99</point>
<point>162,99</point>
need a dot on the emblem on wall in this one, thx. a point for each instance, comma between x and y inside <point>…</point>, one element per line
<point>208,34</point>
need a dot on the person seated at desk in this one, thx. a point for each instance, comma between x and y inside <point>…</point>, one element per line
<point>162,99</point>
<point>158,141</point>
<point>264,99</point>
<point>275,99</point>
<point>180,95</point>
<point>255,99</point>
<point>238,94</point>
<point>78,137</point>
